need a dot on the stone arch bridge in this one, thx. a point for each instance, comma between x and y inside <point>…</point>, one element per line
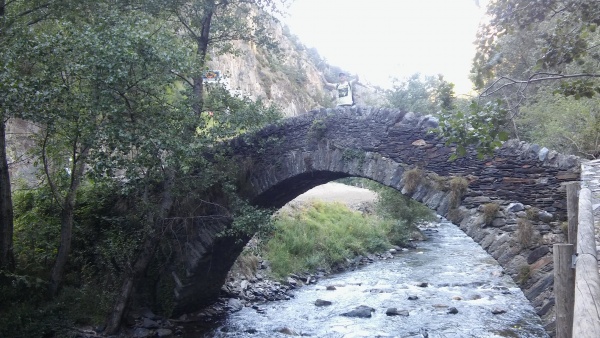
<point>282,161</point>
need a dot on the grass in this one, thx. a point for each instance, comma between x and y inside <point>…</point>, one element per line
<point>323,235</point>
<point>524,232</point>
<point>489,212</point>
<point>458,187</point>
<point>412,178</point>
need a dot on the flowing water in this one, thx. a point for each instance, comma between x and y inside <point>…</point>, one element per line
<point>459,274</point>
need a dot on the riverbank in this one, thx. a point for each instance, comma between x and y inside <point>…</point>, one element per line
<point>248,284</point>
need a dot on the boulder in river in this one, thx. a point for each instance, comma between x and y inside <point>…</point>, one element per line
<point>395,312</point>
<point>362,311</point>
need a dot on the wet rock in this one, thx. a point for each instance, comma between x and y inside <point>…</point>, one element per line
<point>423,284</point>
<point>413,297</point>
<point>362,311</point>
<point>251,331</point>
<point>452,311</point>
<point>292,282</point>
<point>330,288</point>
<point>234,305</point>
<point>498,311</point>
<point>321,302</point>
<point>141,332</point>
<point>457,298</point>
<point>288,331</point>
<point>395,312</point>
<point>164,333</point>
<point>148,323</point>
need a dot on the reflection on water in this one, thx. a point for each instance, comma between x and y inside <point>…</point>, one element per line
<point>457,272</point>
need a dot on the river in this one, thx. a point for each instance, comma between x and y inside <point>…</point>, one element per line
<point>448,287</point>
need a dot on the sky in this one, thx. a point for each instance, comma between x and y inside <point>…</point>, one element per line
<point>382,39</point>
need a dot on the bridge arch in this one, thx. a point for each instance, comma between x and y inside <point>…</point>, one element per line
<point>285,160</point>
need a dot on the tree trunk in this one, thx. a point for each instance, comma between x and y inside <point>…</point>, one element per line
<point>66,224</point>
<point>139,267</point>
<point>202,50</point>
<point>7,260</point>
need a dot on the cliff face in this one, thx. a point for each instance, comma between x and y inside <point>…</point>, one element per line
<point>290,78</point>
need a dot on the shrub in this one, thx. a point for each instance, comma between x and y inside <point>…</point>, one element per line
<point>412,178</point>
<point>524,274</point>
<point>458,187</point>
<point>489,212</point>
<point>321,236</point>
<point>524,232</point>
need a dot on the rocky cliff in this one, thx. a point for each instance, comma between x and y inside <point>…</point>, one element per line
<point>290,78</point>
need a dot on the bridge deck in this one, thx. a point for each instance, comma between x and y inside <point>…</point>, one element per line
<point>590,178</point>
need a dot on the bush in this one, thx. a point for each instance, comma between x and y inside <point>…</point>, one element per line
<point>321,236</point>
<point>524,232</point>
<point>489,212</point>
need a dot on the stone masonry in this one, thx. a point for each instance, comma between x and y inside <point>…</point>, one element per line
<point>521,184</point>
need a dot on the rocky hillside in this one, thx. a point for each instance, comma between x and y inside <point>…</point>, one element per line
<point>291,78</point>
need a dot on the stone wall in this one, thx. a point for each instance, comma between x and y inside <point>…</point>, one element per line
<point>523,182</point>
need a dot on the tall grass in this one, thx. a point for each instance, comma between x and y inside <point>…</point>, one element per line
<point>323,235</point>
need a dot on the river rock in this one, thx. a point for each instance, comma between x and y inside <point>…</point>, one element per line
<point>330,287</point>
<point>413,297</point>
<point>288,331</point>
<point>148,323</point>
<point>141,332</point>
<point>362,311</point>
<point>423,284</point>
<point>235,305</point>
<point>164,333</point>
<point>498,311</point>
<point>452,311</point>
<point>395,312</point>
<point>321,302</point>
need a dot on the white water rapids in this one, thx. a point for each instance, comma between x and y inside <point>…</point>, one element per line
<point>458,272</point>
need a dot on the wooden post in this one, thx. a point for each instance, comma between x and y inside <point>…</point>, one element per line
<point>586,315</point>
<point>572,211</point>
<point>564,289</point>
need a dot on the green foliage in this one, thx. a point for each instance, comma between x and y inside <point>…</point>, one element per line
<point>524,274</point>
<point>392,205</point>
<point>92,274</point>
<point>317,130</point>
<point>423,94</point>
<point>481,127</point>
<point>321,236</point>
<point>560,123</point>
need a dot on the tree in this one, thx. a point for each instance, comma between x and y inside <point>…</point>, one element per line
<point>107,76</point>
<point>423,94</point>
<point>217,24</point>
<point>15,19</point>
<point>531,48</point>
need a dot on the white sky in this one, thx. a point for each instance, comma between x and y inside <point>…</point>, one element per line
<point>382,39</point>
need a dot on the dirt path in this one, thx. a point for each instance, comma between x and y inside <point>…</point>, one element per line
<point>337,192</point>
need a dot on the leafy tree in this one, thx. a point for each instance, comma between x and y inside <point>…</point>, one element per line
<point>423,94</point>
<point>218,24</point>
<point>16,17</point>
<point>564,124</point>
<point>527,50</point>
